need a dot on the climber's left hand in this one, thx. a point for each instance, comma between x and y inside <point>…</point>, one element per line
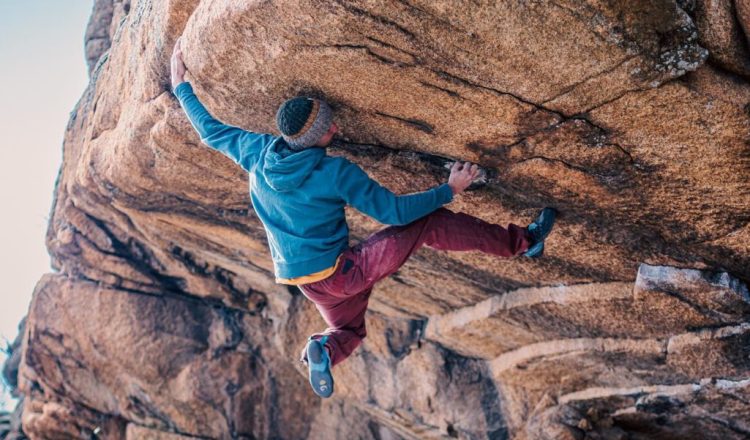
<point>178,65</point>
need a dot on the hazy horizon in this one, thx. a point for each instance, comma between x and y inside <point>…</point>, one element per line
<point>43,76</point>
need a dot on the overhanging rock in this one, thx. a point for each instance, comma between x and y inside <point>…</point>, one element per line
<point>164,319</point>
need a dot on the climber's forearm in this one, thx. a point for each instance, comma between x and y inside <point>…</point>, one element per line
<point>214,133</point>
<point>240,145</point>
<point>206,125</point>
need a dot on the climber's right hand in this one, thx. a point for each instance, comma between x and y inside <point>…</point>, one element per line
<point>178,65</point>
<point>461,176</point>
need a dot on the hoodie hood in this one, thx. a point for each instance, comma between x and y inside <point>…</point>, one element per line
<point>285,169</point>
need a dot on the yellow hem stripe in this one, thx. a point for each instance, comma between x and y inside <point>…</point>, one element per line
<point>306,279</point>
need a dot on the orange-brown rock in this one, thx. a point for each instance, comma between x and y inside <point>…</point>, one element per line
<point>722,34</point>
<point>163,320</point>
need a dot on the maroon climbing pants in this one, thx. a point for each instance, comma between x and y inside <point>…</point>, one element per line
<point>342,297</point>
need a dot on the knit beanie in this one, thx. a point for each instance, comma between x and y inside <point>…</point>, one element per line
<point>303,121</point>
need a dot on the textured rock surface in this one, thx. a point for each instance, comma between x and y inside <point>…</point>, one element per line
<point>722,34</point>
<point>163,320</point>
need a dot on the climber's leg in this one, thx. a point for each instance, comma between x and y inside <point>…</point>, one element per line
<point>384,252</point>
<point>345,318</point>
<point>342,297</point>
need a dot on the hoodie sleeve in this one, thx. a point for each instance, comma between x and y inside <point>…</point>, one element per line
<point>369,197</point>
<point>241,146</point>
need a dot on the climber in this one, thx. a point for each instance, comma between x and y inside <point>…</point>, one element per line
<point>299,193</point>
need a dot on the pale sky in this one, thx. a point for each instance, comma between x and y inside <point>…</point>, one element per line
<point>42,75</point>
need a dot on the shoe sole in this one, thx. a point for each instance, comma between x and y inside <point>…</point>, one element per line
<point>321,381</point>
<point>535,251</point>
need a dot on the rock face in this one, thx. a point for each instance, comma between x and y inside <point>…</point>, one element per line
<point>163,321</point>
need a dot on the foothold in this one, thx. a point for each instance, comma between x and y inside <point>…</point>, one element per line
<point>584,424</point>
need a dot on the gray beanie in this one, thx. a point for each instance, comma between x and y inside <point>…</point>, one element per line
<point>303,121</point>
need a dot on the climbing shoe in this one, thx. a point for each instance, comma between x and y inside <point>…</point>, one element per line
<point>538,230</point>
<point>319,367</point>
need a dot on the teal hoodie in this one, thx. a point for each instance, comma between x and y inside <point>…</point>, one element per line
<point>300,195</point>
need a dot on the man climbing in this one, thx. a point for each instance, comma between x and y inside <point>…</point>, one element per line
<point>299,194</point>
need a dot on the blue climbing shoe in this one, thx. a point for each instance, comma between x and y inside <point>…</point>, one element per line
<point>539,229</point>
<point>319,367</point>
